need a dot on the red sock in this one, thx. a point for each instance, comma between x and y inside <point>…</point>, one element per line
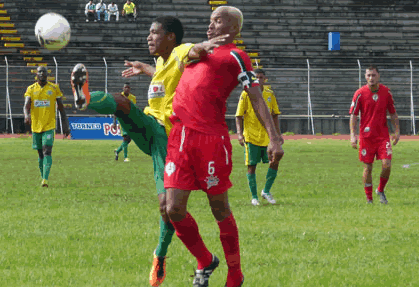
<point>188,233</point>
<point>382,185</point>
<point>229,236</point>
<point>368,191</point>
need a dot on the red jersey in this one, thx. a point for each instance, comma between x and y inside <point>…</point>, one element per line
<point>373,107</point>
<point>201,95</point>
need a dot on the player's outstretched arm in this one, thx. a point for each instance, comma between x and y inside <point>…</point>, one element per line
<point>137,68</point>
<point>27,110</point>
<point>275,151</point>
<point>352,128</point>
<point>202,49</point>
<point>66,125</point>
<point>239,127</point>
<point>395,121</point>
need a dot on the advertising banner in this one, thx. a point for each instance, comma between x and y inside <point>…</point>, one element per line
<point>91,128</point>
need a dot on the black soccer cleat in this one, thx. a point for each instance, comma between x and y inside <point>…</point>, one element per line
<point>202,275</point>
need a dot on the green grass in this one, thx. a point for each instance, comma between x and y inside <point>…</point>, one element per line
<point>97,223</point>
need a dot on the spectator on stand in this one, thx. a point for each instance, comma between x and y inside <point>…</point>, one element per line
<point>113,13</point>
<point>101,11</point>
<point>90,11</point>
<point>129,11</point>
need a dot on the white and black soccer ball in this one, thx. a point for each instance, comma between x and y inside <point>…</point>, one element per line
<point>52,31</point>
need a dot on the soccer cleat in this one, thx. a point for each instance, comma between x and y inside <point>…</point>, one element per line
<point>369,201</point>
<point>202,275</point>
<point>255,202</point>
<point>126,160</point>
<point>268,197</point>
<point>116,154</point>
<point>44,183</point>
<point>383,198</point>
<point>80,86</point>
<point>158,270</point>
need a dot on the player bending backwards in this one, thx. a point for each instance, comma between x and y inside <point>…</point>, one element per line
<point>199,148</point>
<point>39,110</point>
<point>373,101</point>
<point>126,139</point>
<point>255,139</point>
<point>149,128</point>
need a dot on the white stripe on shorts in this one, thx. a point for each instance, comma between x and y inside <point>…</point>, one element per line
<point>182,139</point>
<point>225,151</point>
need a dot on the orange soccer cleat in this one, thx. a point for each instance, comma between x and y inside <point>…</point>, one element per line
<point>158,271</point>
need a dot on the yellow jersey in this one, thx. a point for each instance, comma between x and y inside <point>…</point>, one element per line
<point>129,9</point>
<point>130,97</point>
<point>43,101</point>
<point>253,130</point>
<point>163,84</point>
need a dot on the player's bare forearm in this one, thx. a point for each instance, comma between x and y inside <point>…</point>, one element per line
<point>27,107</point>
<point>201,49</point>
<point>262,112</point>
<point>137,68</point>
<point>394,118</point>
<point>239,125</point>
<point>352,124</point>
<point>276,122</point>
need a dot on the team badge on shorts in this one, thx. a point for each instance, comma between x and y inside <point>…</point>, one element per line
<point>211,181</point>
<point>364,152</point>
<point>375,97</point>
<point>170,168</point>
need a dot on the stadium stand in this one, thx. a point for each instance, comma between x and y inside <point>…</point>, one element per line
<point>280,35</point>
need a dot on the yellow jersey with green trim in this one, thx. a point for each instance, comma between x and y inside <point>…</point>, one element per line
<point>253,130</point>
<point>129,8</point>
<point>163,84</point>
<point>130,97</point>
<point>43,101</point>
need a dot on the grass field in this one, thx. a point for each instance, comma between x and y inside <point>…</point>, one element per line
<point>97,223</point>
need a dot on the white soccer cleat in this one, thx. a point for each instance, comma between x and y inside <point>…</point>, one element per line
<point>268,197</point>
<point>80,86</point>
<point>255,202</point>
<point>126,160</point>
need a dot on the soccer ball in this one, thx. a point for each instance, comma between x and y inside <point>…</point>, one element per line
<point>52,31</point>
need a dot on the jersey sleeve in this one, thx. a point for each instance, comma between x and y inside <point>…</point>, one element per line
<point>58,93</point>
<point>246,75</point>
<point>275,108</point>
<point>133,99</point>
<point>242,105</point>
<point>28,92</point>
<point>355,106</point>
<point>182,52</point>
<point>390,105</point>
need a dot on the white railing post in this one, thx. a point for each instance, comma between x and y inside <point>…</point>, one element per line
<point>56,82</point>
<point>309,109</point>
<point>106,75</point>
<point>8,105</point>
<point>412,107</point>
<point>359,74</point>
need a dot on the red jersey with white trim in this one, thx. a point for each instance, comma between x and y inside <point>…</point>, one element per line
<point>373,107</point>
<point>201,95</point>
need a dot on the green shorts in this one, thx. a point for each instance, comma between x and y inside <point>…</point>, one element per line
<point>254,154</point>
<point>43,139</point>
<point>150,137</point>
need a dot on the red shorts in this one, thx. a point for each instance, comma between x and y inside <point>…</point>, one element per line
<point>374,148</point>
<point>197,161</point>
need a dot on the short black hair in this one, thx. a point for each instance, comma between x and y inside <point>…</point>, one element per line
<point>171,24</point>
<point>127,84</point>
<point>260,71</point>
<point>373,67</point>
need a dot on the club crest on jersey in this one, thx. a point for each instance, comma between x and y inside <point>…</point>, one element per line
<point>367,129</point>
<point>364,152</point>
<point>211,181</point>
<point>156,90</point>
<point>49,93</point>
<point>170,168</point>
<point>269,99</point>
<point>375,97</point>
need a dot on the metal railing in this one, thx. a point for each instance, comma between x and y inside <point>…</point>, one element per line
<point>321,88</point>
